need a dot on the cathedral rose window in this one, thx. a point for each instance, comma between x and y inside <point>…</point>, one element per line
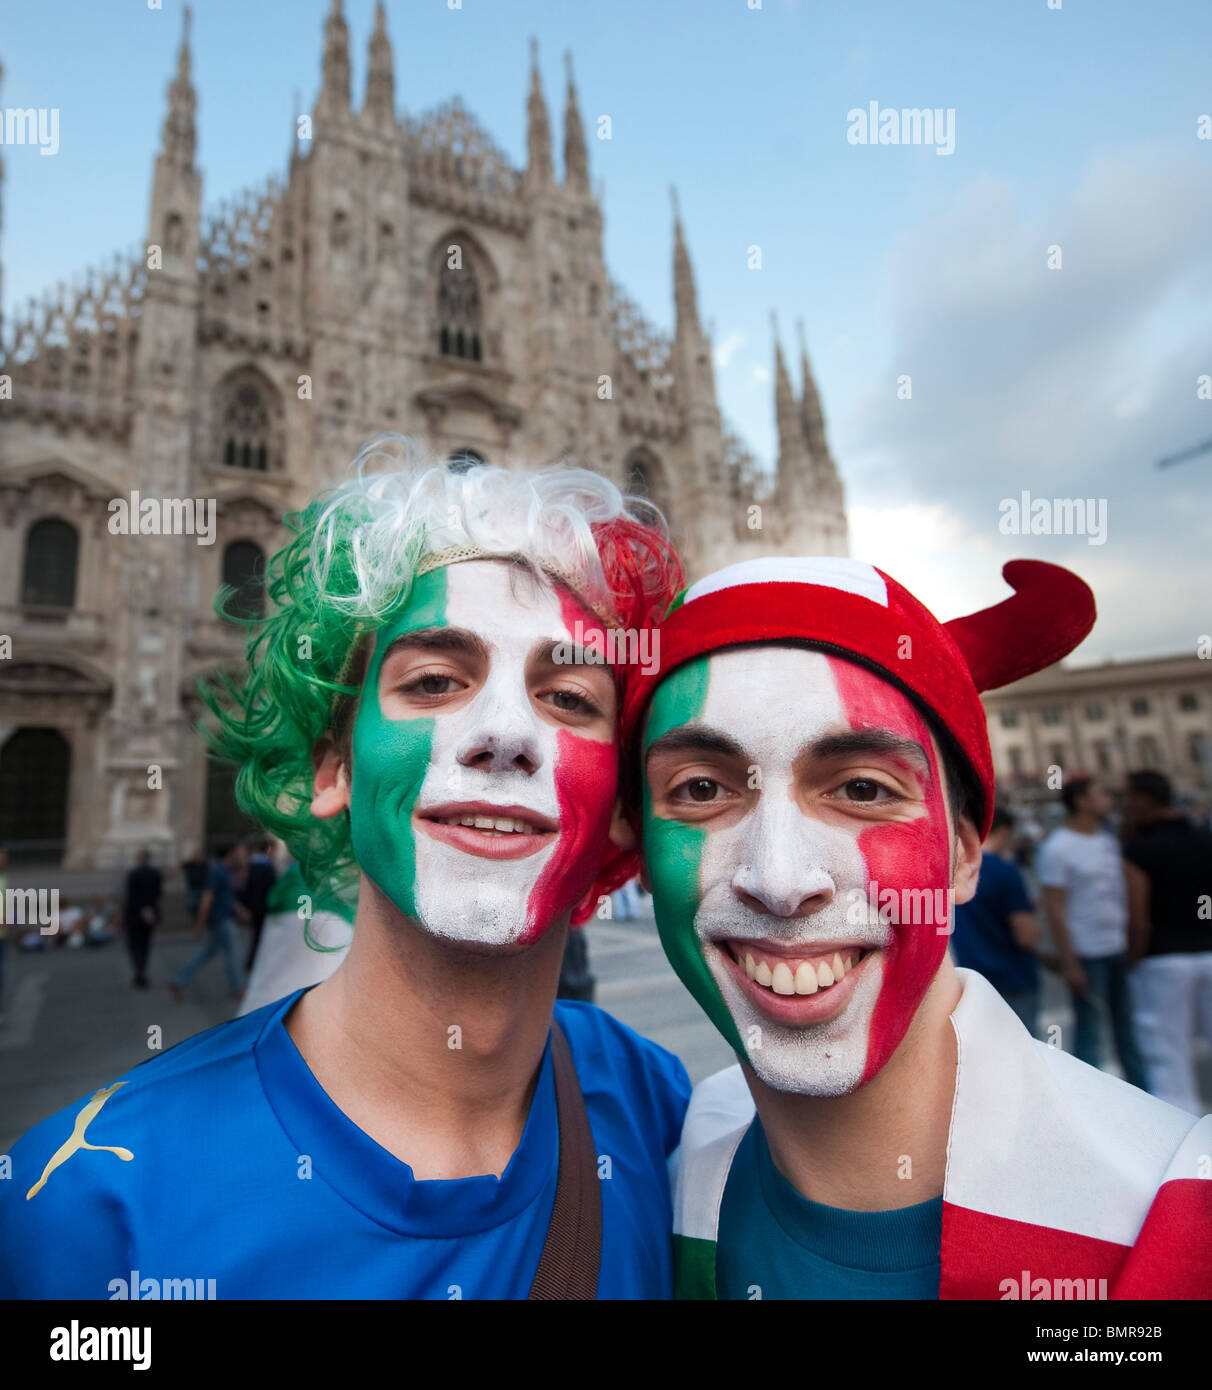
<point>247,424</point>
<point>459,313</point>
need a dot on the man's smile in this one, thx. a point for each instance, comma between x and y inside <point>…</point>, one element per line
<point>488,830</point>
<point>800,984</point>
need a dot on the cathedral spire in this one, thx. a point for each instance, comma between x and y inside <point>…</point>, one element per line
<point>792,444</point>
<point>794,483</point>
<point>812,418</point>
<point>179,136</point>
<point>684,296</point>
<point>812,422</point>
<point>334,85</point>
<point>538,128</point>
<point>380,102</point>
<point>692,366</point>
<point>576,156</point>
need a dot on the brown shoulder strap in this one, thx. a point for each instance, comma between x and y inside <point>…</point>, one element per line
<point>568,1267</point>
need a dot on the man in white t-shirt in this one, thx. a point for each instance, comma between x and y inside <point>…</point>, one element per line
<point>1081,874</point>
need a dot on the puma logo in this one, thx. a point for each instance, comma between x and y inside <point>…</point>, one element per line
<point>76,1140</point>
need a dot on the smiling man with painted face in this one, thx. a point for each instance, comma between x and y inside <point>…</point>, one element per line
<point>429,729</point>
<point>815,782</point>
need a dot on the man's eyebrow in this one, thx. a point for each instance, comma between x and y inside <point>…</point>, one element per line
<point>579,655</point>
<point>869,741</point>
<point>446,639</point>
<point>695,738</point>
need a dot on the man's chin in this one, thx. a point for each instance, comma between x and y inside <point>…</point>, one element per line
<point>823,1059</point>
<point>482,928</point>
<point>789,1080</point>
<point>479,946</point>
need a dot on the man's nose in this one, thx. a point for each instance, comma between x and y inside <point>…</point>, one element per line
<point>783,869</point>
<point>503,734</point>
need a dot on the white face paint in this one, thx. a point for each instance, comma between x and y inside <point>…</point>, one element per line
<point>778,856</point>
<point>502,755</point>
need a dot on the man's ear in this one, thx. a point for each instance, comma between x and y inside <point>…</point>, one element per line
<point>622,835</point>
<point>331,789</point>
<point>967,860</point>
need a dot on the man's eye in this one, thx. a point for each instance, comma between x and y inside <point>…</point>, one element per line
<point>430,684</point>
<point>571,702</point>
<point>863,789</point>
<point>698,789</point>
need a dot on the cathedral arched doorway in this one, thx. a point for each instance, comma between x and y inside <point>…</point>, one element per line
<point>35,765</point>
<point>224,822</point>
<point>244,570</point>
<point>464,460</point>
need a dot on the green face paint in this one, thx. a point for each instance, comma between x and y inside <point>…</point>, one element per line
<point>390,760</point>
<point>674,851</point>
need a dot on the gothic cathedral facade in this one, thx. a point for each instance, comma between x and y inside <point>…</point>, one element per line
<point>403,276</point>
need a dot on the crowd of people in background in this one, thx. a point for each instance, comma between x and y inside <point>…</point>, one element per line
<point>1126,922</point>
<point>80,923</point>
<point>232,885</point>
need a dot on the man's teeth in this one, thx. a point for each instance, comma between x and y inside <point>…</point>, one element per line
<point>505,825</point>
<point>807,978</point>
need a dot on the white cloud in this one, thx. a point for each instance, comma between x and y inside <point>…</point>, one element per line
<point>725,351</point>
<point>932,551</point>
<point>1068,383</point>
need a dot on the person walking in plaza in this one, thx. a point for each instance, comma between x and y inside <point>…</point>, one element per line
<point>1169,865</point>
<point>1081,875</point>
<point>194,870</point>
<point>141,915</point>
<point>216,917</point>
<point>255,894</point>
<point>997,932</point>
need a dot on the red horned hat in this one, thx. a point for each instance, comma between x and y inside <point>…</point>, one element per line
<point>854,610</point>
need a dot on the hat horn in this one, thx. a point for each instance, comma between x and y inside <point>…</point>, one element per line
<point>1049,613</point>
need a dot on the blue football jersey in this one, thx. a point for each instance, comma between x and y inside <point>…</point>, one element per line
<point>222,1167</point>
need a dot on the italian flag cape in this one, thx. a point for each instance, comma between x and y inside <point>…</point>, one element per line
<point>1056,1173</point>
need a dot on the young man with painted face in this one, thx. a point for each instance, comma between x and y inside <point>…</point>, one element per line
<point>816,780</point>
<point>427,729</point>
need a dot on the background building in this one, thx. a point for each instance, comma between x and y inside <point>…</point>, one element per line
<point>403,276</point>
<point>1105,720</point>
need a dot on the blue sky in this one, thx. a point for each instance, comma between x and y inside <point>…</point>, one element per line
<point>1074,127</point>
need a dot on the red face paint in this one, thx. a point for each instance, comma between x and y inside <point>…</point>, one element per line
<point>586,778</point>
<point>586,782</point>
<point>901,855</point>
